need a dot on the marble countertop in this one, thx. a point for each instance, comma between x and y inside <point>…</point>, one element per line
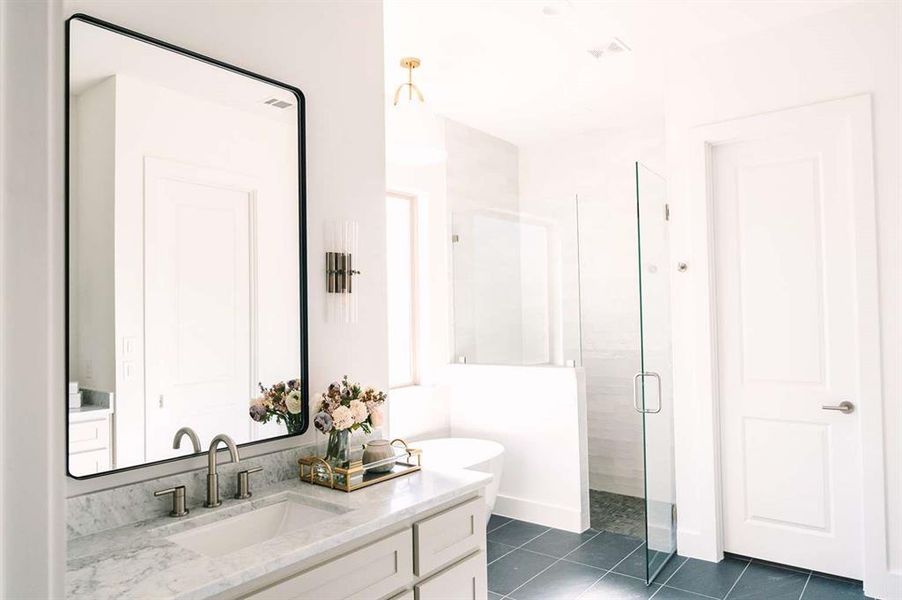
<point>139,561</point>
<point>87,408</point>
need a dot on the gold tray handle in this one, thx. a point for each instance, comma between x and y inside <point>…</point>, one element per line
<point>319,461</point>
<point>403,443</point>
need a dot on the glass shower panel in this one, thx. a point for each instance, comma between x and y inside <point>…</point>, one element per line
<point>510,276</point>
<point>652,385</point>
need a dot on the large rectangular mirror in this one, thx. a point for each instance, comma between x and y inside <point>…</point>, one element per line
<point>185,251</point>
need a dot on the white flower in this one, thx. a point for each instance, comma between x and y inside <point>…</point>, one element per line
<point>293,402</point>
<point>342,418</point>
<point>358,409</point>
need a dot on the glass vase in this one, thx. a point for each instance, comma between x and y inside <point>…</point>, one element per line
<point>338,449</point>
<point>293,423</point>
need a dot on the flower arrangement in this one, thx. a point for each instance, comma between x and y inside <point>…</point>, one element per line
<point>348,406</point>
<point>281,401</point>
<point>343,408</point>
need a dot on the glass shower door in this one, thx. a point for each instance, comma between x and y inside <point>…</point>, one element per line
<point>652,384</point>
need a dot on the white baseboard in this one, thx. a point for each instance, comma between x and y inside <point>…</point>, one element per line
<point>695,545</point>
<point>548,515</point>
<point>885,586</point>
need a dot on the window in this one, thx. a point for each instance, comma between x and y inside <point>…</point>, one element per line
<point>402,289</point>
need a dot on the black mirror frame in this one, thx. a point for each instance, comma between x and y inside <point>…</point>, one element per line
<point>302,227</point>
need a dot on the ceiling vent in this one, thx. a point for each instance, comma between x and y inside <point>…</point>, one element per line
<point>277,103</point>
<point>615,46</point>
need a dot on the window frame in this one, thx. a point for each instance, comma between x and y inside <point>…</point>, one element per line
<point>415,311</point>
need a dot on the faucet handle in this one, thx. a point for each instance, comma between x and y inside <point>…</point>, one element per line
<point>179,509</point>
<point>244,491</point>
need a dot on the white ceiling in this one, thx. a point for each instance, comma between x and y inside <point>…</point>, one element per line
<point>507,68</point>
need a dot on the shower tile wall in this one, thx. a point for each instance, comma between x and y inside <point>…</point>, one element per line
<point>610,341</point>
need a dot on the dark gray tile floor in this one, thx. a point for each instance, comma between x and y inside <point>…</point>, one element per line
<point>532,562</point>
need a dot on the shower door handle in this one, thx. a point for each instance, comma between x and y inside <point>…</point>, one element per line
<point>640,377</point>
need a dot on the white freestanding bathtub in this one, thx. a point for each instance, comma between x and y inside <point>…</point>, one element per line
<point>466,453</point>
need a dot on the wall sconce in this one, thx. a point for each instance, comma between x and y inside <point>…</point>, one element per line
<point>341,248</point>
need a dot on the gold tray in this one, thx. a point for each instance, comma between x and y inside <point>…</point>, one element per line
<point>317,471</point>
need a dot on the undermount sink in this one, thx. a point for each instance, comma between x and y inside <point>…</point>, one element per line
<point>254,527</point>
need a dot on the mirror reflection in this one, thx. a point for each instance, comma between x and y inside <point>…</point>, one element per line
<point>184,251</point>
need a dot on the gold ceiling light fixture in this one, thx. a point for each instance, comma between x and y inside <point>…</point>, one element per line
<point>414,136</point>
<point>410,63</point>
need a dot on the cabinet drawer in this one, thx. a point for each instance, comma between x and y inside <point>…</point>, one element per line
<point>88,463</point>
<point>366,574</point>
<point>408,595</point>
<point>89,435</point>
<point>464,581</point>
<point>449,536</point>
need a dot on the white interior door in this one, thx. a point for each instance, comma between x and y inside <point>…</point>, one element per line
<point>787,335</point>
<point>198,351</point>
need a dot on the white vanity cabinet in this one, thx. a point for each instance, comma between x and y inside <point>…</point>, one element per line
<point>90,449</point>
<point>439,556</point>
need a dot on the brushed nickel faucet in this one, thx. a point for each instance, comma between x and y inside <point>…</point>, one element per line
<point>179,508</point>
<point>177,440</point>
<point>213,499</point>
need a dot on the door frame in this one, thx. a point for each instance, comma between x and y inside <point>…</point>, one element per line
<point>707,537</point>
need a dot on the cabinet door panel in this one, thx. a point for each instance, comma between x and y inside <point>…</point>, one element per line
<point>464,581</point>
<point>89,435</point>
<point>449,535</point>
<point>372,572</point>
<point>88,463</point>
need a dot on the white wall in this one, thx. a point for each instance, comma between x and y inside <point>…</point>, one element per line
<point>538,415</point>
<point>846,52</point>
<point>32,391</point>
<point>92,155</point>
<point>598,167</point>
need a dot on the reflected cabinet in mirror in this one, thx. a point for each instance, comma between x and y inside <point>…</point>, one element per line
<point>185,240</point>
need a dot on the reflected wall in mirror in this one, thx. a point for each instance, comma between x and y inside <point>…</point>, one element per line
<point>185,224</point>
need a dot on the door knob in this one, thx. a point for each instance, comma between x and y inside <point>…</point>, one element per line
<point>844,407</point>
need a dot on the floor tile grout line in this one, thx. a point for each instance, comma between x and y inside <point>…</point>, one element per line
<point>746,568</point>
<point>488,531</point>
<point>699,594</point>
<point>520,547</point>
<point>564,557</point>
<point>628,554</point>
<point>663,583</point>
<point>533,577</point>
<point>675,571</point>
<point>561,559</point>
<point>512,548</point>
<point>556,558</point>
<point>609,571</point>
<point>805,587</point>
<point>583,593</point>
